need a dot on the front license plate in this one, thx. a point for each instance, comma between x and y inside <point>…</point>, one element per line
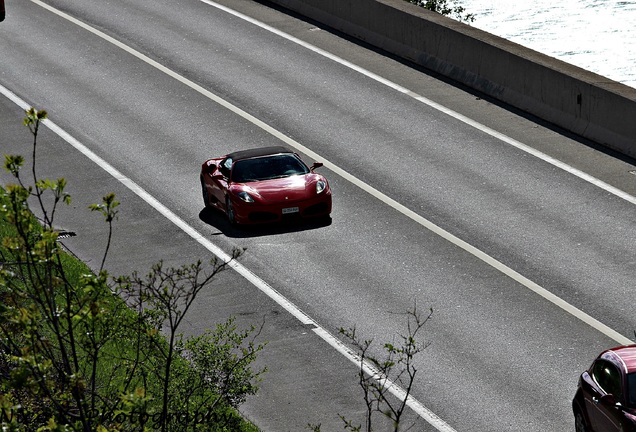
<point>289,210</point>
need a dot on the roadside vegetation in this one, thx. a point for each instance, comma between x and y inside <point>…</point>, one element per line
<point>446,8</point>
<point>379,375</point>
<point>81,351</point>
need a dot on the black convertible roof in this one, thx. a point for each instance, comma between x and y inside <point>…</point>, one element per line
<point>257,152</point>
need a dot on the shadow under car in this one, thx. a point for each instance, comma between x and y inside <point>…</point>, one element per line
<point>219,221</point>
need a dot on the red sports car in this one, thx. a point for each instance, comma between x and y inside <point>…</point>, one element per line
<point>264,185</point>
<point>605,400</point>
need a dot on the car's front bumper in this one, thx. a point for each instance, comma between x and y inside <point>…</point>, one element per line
<point>255,213</point>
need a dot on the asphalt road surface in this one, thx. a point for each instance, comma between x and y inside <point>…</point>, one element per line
<point>520,237</point>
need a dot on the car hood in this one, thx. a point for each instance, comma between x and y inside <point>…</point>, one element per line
<point>283,189</point>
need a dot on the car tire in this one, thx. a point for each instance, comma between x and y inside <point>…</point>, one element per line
<point>204,192</point>
<point>229,210</point>
<point>580,425</point>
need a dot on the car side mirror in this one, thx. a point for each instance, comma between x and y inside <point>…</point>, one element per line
<point>609,399</point>
<point>316,165</point>
<point>210,167</point>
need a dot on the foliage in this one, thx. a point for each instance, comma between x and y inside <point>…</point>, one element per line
<point>377,375</point>
<point>443,7</point>
<point>75,357</point>
<point>219,369</point>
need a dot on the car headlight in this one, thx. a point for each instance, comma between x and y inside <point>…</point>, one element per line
<point>321,185</point>
<point>245,197</point>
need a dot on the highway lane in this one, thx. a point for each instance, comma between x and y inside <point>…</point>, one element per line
<point>499,353</point>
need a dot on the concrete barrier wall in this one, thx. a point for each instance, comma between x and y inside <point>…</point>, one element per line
<point>577,100</point>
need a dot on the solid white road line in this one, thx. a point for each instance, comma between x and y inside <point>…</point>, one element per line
<point>371,190</point>
<point>549,159</point>
<point>259,283</point>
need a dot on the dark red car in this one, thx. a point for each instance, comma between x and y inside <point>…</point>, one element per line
<point>2,11</point>
<point>605,400</point>
<point>265,185</point>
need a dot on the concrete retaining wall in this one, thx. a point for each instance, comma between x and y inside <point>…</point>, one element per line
<point>577,100</point>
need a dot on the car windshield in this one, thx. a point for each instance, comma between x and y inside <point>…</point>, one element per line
<point>631,389</point>
<point>267,168</point>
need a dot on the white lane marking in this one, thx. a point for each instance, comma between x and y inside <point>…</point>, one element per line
<point>413,404</point>
<point>500,136</point>
<point>369,189</point>
<point>423,221</point>
<point>396,390</point>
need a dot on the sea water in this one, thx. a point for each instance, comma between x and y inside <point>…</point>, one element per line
<point>597,35</point>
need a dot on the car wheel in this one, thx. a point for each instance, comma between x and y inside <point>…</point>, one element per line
<point>229,210</point>
<point>204,192</point>
<point>579,422</point>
